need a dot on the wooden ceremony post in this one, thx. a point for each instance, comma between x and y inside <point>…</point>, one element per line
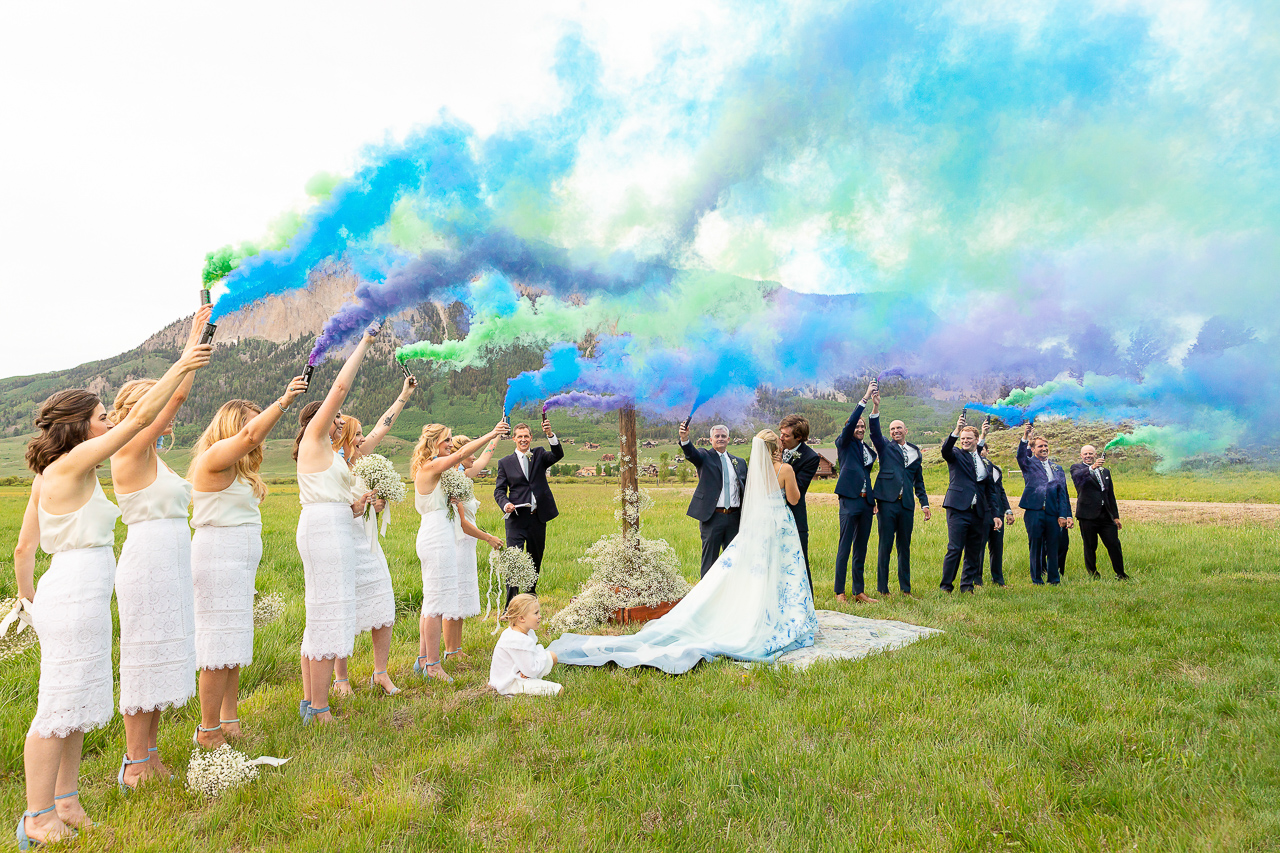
<point>628,472</point>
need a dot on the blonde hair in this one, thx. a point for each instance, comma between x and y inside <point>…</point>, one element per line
<point>127,397</point>
<point>426,446</point>
<point>519,606</point>
<point>770,439</point>
<point>346,440</point>
<point>459,442</point>
<point>227,422</point>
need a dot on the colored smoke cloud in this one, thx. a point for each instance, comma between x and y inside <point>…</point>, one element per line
<point>1081,202</point>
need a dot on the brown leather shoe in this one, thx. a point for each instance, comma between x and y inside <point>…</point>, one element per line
<point>865,599</point>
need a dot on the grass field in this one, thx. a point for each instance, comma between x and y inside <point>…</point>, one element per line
<point>1094,716</point>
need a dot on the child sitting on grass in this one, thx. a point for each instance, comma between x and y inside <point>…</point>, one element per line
<point>518,661</point>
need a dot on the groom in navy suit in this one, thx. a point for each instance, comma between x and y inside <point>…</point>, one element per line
<point>717,501</point>
<point>857,505</point>
<point>793,435</point>
<point>1045,504</point>
<point>522,492</point>
<point>972,507</point>
<point>901,476</point>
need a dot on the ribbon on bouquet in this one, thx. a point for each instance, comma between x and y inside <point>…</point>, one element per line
<point>372,520</point>
<point>20,613</point>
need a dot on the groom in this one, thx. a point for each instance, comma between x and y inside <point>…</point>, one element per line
<point>522,493</point>
<point>793,432</point>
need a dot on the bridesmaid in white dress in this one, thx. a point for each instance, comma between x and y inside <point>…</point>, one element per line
<point>71,518</point>
<point>375,597</point>
<point>468,535</point>
<point>225,552</point>
<point>324,539</point>
<point>153,585</point>
<point>438,538</point>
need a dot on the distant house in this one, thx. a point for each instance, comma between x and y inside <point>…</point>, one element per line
<point>828,462</point>
<point>585,471</point>
<point>649,470</point>
<point>649,443</point>
<point>591,446</point>
<point>702,442</point>
<point>570,441</point>
<point>609,457</point>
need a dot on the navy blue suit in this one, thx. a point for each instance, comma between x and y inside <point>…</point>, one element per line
<point>717,528</point>
<point>527,528</point>
<point>995,538</point>
<point>805,467</point>
<point>1044,500</point>
<point>971,510</point>
<point>857,506</point>
<point>897,486</point>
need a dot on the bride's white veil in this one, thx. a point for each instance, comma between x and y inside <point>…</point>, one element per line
<point>762,484</point>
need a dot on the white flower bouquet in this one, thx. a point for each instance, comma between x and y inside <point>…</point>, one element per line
<point>214,772</point>
<point>380,476</point>
<point>509,567</point>
<point>457,487</point>
<point>268,608</point>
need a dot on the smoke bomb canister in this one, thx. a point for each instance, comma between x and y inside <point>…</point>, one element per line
<point>205,298</point>
<point>544,417</point>
<point>207,335</point>
<point>405,368</point>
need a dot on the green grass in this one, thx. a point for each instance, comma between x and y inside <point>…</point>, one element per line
<point>1095,716</point>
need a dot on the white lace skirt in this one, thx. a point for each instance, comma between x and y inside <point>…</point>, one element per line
<point>328,554</point>
<point>437,549</point>
<point>224,566</point>
<point>375,599</point>
<point>157,616</point>
<point>72,618</point>
<point>468,580</point>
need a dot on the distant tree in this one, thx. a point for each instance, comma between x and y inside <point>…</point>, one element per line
<point>683,473</point>
<point>664,462</point>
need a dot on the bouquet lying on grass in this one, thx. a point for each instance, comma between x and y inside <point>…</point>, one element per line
<point>380,476</point>
<point>508,567</point>
<point>214,772</point>
<point>457,487</point>
<point>267,608</point>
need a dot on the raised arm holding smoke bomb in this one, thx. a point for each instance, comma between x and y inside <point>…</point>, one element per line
<point>75,522</point>
<point>1042,505</point>
<point>857,505</point>
<point>437,541</point>
<point>226,549</point>
<point>324,537</point>
<point>717,500</point>
<point>523,494</point>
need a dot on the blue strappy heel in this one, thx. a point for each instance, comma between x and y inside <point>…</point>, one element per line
<point>76,793</point>
<point>303,706</point>
<point>312,713</point>
<point>373,682</point>
<point>195,736</point>
<point>422,670</point>
<point>125,762</point>
<point>26,842</point>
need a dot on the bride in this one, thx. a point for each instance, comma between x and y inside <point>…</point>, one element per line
<point>754,603</point>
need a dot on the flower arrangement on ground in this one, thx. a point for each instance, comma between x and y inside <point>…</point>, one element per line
<point>214,772</point>
<point>268,608</point>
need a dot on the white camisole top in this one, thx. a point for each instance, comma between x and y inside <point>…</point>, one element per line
<point>233,506</point>
<point>329,486</point>
<point>91,526</point>
<point>167,497</point>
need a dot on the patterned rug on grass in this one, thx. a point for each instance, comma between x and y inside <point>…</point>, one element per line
<point>845,637</point>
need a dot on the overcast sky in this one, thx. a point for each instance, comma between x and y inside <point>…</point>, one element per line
<point>138,138</point>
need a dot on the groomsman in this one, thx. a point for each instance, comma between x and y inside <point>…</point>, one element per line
<point>717,501</point>
<point>995,538</point>
<point>857,506</point>
<point>1098,512</point>
<point>523,494</point>
<point>901,475</point>
<point>1045,505</point>
<point>793,432</point>
<point>971,507</point>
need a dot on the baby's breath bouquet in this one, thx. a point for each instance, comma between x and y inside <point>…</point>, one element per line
<point>267,609</point>
<point>509,567</point>
<point>214,772</point>
<point>16,633</point>
<point>380,476</point>
<point>457,487</point>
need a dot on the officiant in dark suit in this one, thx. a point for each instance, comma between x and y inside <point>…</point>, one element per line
<point>856,458</point>
<point>971,504</point>
<point>901,477</point>
<point>717,500</point>
<point>522,492</point>
<point>793,435</point>
<point>1097,512</point>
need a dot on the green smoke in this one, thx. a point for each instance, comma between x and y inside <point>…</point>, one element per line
<point>551,321</point>
<point>1175,444</point>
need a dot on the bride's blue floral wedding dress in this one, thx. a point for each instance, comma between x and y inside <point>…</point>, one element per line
<point>752,605</point>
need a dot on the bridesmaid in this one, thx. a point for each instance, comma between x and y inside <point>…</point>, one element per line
<point>71,518</point>
<point>324,539</point>
<point>153,585</point>
<point>225,552</point>
<point>375,598</point>
<point>437,538</point>
<point>470,534</point>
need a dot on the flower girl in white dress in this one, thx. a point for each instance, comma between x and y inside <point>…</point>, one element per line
<point>519,663</point>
